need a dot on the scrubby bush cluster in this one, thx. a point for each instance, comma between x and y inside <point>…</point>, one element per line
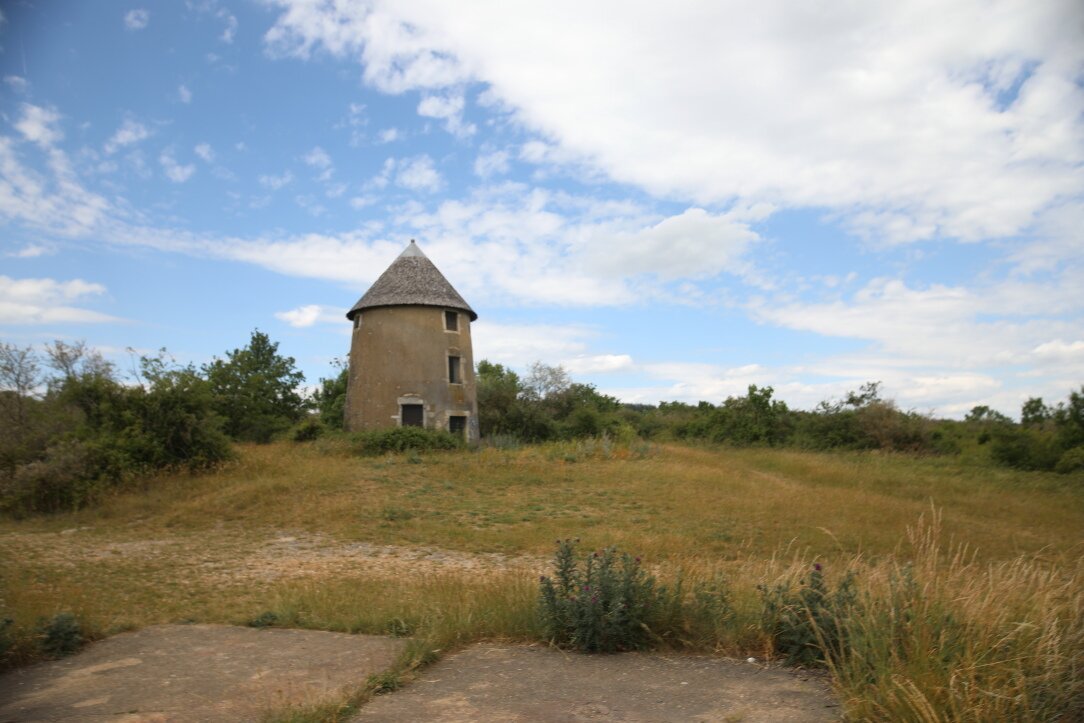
<point>1047,438</point>
<point>71,428</point>
<point>548,405</point>
<point>403,439</point>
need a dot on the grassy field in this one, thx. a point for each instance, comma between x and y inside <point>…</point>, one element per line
<point>970,577</point>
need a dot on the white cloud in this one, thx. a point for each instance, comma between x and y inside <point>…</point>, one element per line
<point>276,182</point>
<point>317,158</point>
<point>948,346</point>
<point>17,83</point>
<point>30,251</point>
<point>1060,350</point>
<point>518,345</point>
<point>310,205</point>
<point>389,135</point>
<point>38,125</point>
<point>311,314</point>
<point>174,170</point>
<point>230,31</point>
<point>56,202</point>
<point>205,152</point>
<point>448,108</point>
<point>690,245</point>
<point>491,164</point>
<point>598,363</point>
<point>48,301</point>
<point>906,128</point>
<point>184,94</point>
<point>137,19</point>
<point>418,174</point>
<point>129,133</point>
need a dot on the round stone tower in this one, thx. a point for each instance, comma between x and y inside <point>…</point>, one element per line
<point>411,362</point>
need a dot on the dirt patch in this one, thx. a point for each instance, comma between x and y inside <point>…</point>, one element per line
<point>492,683</point>
<point>195,673</point>
<point>225,559</point>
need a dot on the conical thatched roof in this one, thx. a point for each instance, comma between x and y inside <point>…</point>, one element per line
<point>412,280</point>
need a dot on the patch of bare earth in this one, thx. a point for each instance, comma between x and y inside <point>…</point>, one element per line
<point>224,558</point>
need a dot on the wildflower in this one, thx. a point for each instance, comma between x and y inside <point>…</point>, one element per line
<point>817,566</point>
<point>587,588</point>
<point>541,578</point>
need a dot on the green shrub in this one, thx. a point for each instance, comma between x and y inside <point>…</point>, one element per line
<point>264,620</point>
<point>308,430</point>
<point>401,439</point>
<point>63,480</point>
<point>1025,448</point>
<point>1071,461</point>
<point>60,636</point>
<point>255,390</point>
<point>808,625</point>
<point>330,397</point>
<point>607,606</point>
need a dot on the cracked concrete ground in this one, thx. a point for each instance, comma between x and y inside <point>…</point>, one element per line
<point>195,673</point>
<point>222,673</point>
<point>491,683</point>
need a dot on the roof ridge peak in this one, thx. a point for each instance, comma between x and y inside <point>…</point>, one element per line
<point>412,249</point>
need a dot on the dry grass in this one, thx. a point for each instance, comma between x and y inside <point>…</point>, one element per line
<point>447,548</point>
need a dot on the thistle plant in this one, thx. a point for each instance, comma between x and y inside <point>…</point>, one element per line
<point>605,605</point>
<point>808,625</point>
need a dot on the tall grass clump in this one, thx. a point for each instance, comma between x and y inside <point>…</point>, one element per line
<point>808,625</point>
<point>948,639</point>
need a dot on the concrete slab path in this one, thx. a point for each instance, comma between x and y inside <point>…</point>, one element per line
<point>194,673</point>
<point>515,683</point>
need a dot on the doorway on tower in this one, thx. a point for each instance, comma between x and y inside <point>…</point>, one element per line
<point>411,415</point>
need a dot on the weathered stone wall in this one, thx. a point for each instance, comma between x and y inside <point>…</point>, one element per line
<point>400,354</point>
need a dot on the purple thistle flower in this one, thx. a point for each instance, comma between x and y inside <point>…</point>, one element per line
<point>817,566</point>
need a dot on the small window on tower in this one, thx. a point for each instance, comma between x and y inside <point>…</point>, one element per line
<point>411,415</point>
<point>454,375</point>
<point>357,321</point>
<point>451,321</point>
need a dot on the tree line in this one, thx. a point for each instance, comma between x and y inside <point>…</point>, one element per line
<point>547,405</point>
<point>73,427</point>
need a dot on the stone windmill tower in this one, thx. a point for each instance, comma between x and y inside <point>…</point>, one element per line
<point>410,355</point>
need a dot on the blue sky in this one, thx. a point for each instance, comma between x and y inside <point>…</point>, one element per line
<point>672,203</point>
